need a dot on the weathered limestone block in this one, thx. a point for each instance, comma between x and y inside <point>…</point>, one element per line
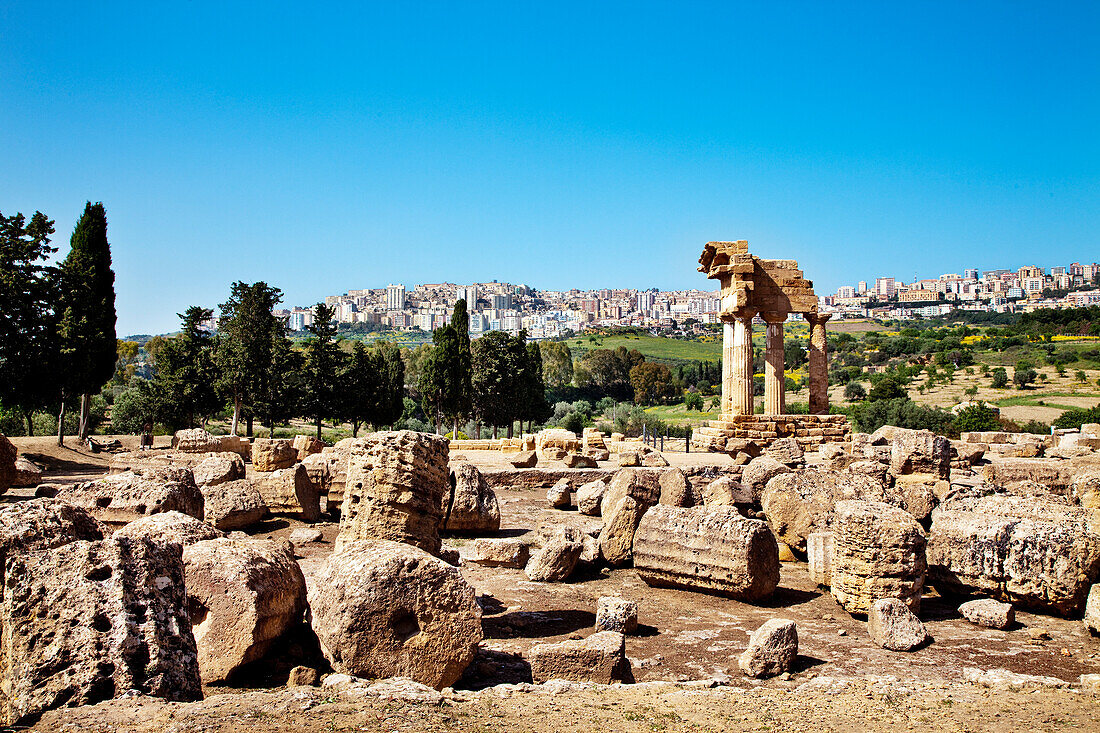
<point>590,496</point>
<point>772,649</point>
<point>272,454</point>
<point>1031,552</point>
<point>525,459</point>
<point>968,454</point>
<point>710,549</point>
<point>834,457</point>
<point>654,460</point>
<point>802,502</point>
<point>474,506</point>
<point>725,491</point>
<point>289,491</point>
<point>219,468</point>
<point>305,536</point>
<point>617,535</point>
<point>592,439</point>
<point>988,612</point>
<point>242,595</point>
<point>89,621</point>
<point>556,442</point>
<point>642,484</point>
<point>787,451</point>
<point>597,454</point>
<point>387,609</point>
<point>675,488</point>
<point>878,552</point>
<point>1057,476</point>
<point>558,557</point>
<point>235,505</point>
<point>577,460</point>
<point>1086,489</point>
<point>8,453</point>
<point>307,445</point>
<point>27,473</point>
<point>169,527</point>
<point>587,530</point>
<point>1092,610</point>
<point>891,625</point>
<point>819,557</point>
<point>195,440</point>
<point>42,524</point>
<point>320,469</point>
<point>499,553</point>
<point>629,458</point>
<point>616,614</point>
<point>919,451</point>
<point>758,473</point>
<point>396,487</point>
<point>918,493</point>
<point>600,658</point>
<point>125,497</point>
<point>558,496</point>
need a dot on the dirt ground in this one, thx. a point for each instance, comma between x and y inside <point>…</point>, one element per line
<point>841,680</point>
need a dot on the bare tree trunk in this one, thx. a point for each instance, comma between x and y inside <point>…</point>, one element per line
<point>454,432</point>
<point>82,430</point>
<point>29,417</point>
<point>248,426</point>
<point>318,428</point>
<point>236,413</point>
<point>511,428</point>
<point>61,424</point>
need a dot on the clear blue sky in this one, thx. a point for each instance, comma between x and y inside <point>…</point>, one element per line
<point>322,148</point>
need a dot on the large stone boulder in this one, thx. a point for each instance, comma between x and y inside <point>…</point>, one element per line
<point>772,649</point>
<point>235,505</point>
<point>42,524</point>
<point>619,525</point>
<point>1056,476</point>
<point>194,440</point>
<point>919,451</point>
<point>474,507</point>
<point>1086,489</point>
<point>708,549</point>
<point>1092,610</point>
<point>386,609</point>
<point>642,484</point>
<point>396,489</point>
<point>989,613</point>
<point>219,468</point>
<point>725,491</point>
<point>271,454</point>
<point>7,463</point>
<point>892,625</point>
<point>558,557</point>
<point>525,459</point>
<point>124,497</point>
<point>167,527</point>
<point>27,473</point>
<point>786,451</point>
<point>90,621</point>
<point>616,614</point>
<point>802,502</point>
<point>590,497</point>
<point>1035,553</point>
<point>307,445</point>
<point>878,552</point>
<point>555,443</point>
<point>499,553</point>
<point>601,658</point>
<point>321,470</point>
<point>241,595</point>
<point>675,488</point>
<point>559,495</point>
<point>758,473</point>
<point>288,491</point>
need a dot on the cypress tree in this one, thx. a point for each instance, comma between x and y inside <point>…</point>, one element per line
<point>248,332</point>
<point>322,363</point>
<point>87,314</point>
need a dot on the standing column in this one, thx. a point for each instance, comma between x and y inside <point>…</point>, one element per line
<point>729,368</point>
<point>775,400</point>
<point>819,364</point>
<point>742,360</point>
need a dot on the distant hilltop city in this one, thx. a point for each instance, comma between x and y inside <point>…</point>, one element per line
<point>500,306</point>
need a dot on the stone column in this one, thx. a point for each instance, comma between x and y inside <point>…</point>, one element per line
<point>819,364</point>
<point>742,402</point>
<point>775,399</point>
<point>727,368</point>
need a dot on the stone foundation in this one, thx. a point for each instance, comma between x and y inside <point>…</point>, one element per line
<point>728,434</point>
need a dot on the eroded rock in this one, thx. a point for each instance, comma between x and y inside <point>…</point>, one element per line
<point>124,497</point>
<point>474,506</point>
<point>772,649</point>
<point>233,505</point>
<point>599,658</point>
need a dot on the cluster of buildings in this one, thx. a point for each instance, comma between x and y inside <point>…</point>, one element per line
<point>497,306</point>
<point>1025,289</point>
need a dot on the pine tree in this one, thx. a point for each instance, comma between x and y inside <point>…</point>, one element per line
<point>322,363</point>
<point>391,395</point>
<point>87,314</point>
<point>248,332</point>
<point>460,402</point>
<point>184,386</point>
<point>360,387</point>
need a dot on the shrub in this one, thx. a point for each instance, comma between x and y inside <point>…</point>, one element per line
<point>977,418</point>
<point>1000,378</point>
<point>854,392</point>
<point>693,401</point>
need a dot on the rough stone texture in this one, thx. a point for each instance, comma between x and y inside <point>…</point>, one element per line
<point>1086,489</point>
<point>834,457</point>
<point>819,557</point>
<point>305,535</point>
<point>725,491</point>
<point>1057,476</point>
<point>917,493</point>
<point>320,469</point>
<point>616,614</point>
<point>802,502</point>
<point>891,625</point>
<point>307,445</point>
<point>386,609</point>
<point>641,484</point>
<point>219,468</point>
<point>600,658</point>
<point>709,549</point>
<point>758,473</point>
<point>235,505</point>
<point>288,491</point>
<point>241,595</point>
<point>7,463</point>
<point>598,454</point>
<point>556,442</point>
<point>988,612</point>
<point>878,552</point>
<point>169,527</point>
<point>587,530</point>
<point>619,525</point>
<point>1034,553</point>
<point>1092,610</point>
<point>654,460</point>
<point>89,621</point>
<point>125,497</point>
<point>558,557</point>
<point>559,494</point>
<point>195,440</point>
<point>590,496</point>
<point>474,506</point>
<point>786,451</point>
<point>396,488</point>
<point>271,454</point>
<point>629,458</point>
<point>42,524</point>
<point>578,460</point>
<point>525,459</point>
<point>772,649</point>
<point>302,677</point>
<point>27,473</point>
<point>499,553</point>
<point>675,489</point>
<point>919,451</point>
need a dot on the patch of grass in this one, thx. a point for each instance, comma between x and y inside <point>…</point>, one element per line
<point>655,347</point>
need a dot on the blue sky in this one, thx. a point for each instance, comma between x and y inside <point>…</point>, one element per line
<point>321,147</point>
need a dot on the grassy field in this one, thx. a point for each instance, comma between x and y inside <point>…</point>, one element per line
<point>653,347</point>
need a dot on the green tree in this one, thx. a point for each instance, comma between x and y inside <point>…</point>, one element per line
<point>321,365</point>
<point>886,388</point>
<point>184,385</point>
<point>854,392</point>
<point>457,402</point>
<point>977,418</point>
<point>391,396</point>
<point>494,371</point>
<point>557,364</point>
<point>28,340</point>
<point>359,386</point>
<point>534,407</point>
<point>1000,378</point>
<point>248,332</point>
<point>87,314</point>
<point>693,401</point>
<point>652,383</point>
<point>1024,374</point>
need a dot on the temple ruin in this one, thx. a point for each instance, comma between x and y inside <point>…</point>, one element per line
<point>772,290</point>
